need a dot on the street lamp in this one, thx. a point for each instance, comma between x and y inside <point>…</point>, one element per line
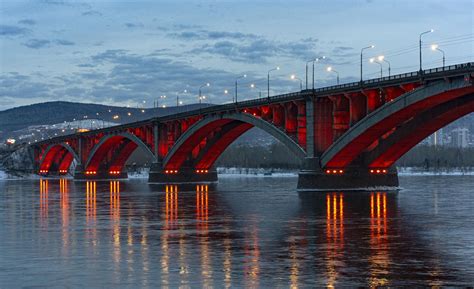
<point>330,69</point>
<point>421,34</point>
<point>317,59</point>
<point>268,79</point>
<point>435,47</point>
<point>361,52</point>
<point>252,86</point>
<point>200,94</point>
<point>242,76</point>
<point>307,62</point>
<point>382,58</point>
<point>372,60</point>
<point>177,97</point>
<point>293,77</point>
<point>161,97</point>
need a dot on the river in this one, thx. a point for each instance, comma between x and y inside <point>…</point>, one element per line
<point>244,232</point>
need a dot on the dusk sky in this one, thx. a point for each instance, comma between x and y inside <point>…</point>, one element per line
<point>127,52</point>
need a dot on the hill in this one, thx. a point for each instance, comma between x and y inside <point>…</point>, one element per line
<point>49,113</point>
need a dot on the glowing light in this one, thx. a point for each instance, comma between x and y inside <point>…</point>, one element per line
<point>434,46</point>
<point>381,58</point>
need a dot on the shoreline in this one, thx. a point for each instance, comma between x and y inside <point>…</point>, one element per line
<point>275,173</point>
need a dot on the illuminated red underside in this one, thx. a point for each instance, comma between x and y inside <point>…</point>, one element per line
<point>346,155</point>
<point>396,151</point>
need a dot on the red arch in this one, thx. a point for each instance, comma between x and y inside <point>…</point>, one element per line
<point>122,156</point>
<point>178,158</point>
<point>360,143</point>
<point>57,158</point>
<point>422,131</point>
<point>217,148</point>
<point>115,148</point>
<point>108,147</point>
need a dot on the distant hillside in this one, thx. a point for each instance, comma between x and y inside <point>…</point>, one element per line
<point>48,113</point>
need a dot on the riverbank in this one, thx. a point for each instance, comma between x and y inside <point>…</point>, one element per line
<point>260,172</point>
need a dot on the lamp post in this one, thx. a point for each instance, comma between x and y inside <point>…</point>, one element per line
<point>161,97</point>
<point>435,47</point>
<point>293,77</point>
<point>268,80</point>
<point>361,52</point>
<point>330,69</point>
<point>316,59</point>
<point>372,60</point>
<point>200,94</point>
<point>242,76</point>
<point>178,102</point>
<point>252,86</point>
<point>382,58</point>
<point>307,62</point>
<point>420,43</point>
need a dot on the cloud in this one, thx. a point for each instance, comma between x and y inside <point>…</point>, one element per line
<point>244,47</point>
<point>37,43</point>
<point>86,65</point>
<point>211,35</point>
<point>43,43</point>
<point>15,85</point>
<point>27,22</point>
<point>258,51</point>
<point>122,77</point>
<point>64,42</point>
<point>91,13</point>
<point>9,30</point>
<point>133,25</point>
<point>343,51</point>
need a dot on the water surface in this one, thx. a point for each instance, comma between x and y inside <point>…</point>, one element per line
<point>245,232</point>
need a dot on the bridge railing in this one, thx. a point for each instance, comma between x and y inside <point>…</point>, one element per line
<point>409,76</point>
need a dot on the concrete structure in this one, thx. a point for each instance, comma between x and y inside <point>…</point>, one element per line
<point>348,136</point>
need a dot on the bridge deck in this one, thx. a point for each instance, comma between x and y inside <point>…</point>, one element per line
<point>398,79</point>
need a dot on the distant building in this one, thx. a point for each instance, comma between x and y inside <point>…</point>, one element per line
<point>460,137</point>
<point>436,139</point>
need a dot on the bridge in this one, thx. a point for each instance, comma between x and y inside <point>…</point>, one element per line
<point>348,136</point>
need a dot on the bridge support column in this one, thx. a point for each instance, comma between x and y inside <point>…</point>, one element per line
<point>183,176</point>
<point>81,174</point>
<point>353,178</point>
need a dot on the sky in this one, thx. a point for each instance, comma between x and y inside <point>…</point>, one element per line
<point>132,52</point>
